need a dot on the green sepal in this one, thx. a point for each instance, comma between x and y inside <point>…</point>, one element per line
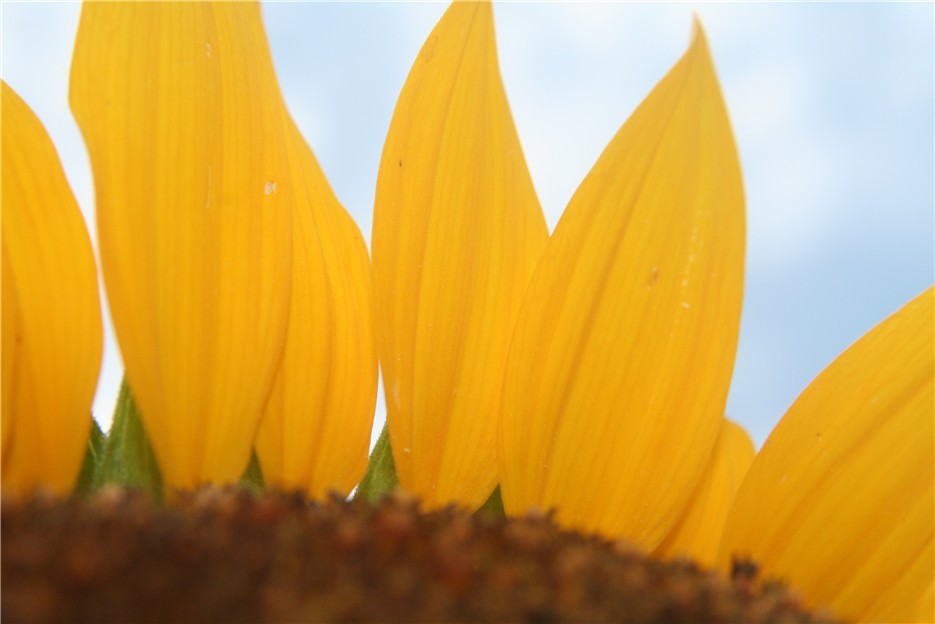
<point>493,506</point>
<point>92,459</point>
<point>252,478</point>
<point>128,455</point>
<point>380,478</point>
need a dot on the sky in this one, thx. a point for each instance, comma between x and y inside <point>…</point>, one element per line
<point>832,106</point>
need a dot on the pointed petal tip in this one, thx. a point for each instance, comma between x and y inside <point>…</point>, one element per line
<point>697,27</point>
<point>632,246</point>
<point>699,39</point>
<point>456,219</point>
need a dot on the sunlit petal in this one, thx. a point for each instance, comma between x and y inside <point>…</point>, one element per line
<point>839,502</point>
<point>926,606</point>
<point>315,432</point>
<point>697,533</point>
<point>618,373</point>
<point>52,337</point>
<point>181,113</point>
<point>457,232</point>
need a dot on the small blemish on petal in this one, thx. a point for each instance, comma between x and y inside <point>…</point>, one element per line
<point>653,277</point>
<point>208,49</point>
<point>394,395</point>
<point>269,188</point>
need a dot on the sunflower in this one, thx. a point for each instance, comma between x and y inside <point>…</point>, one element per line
<point>585,372</point>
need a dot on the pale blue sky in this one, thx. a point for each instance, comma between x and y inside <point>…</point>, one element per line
<point>832,106</point>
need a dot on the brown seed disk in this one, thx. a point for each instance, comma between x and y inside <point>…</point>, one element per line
<point>225,555</point>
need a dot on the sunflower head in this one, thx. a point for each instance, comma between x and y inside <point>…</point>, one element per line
<point>582,373</point>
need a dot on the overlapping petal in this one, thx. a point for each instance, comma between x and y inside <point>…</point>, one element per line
<point>315,432</point>
<point>697,533</point>
<point>840,500</point>
<point>619,368</point>
<point>457,232</point>
<point>52,336</point>
<point>181,113</point>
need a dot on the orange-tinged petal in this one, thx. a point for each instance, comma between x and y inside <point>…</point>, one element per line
<point>315,432</point>
<point>618,372</point>
<point>839,502</point>
<point>926,606</point>
<point>181,112</point>
<point>52,336</point>
<point>457,231</point>
<point>697,533</point>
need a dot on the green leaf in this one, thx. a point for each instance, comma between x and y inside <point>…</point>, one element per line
<point>128,456</point>
<point>494,505</point>
<point>92,460</point>
<point>380,478</point>
<point>252,478</point>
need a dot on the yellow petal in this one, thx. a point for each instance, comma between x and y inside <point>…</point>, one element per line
<point>181,113</point>
<point>618,372</point>
<point>457,231</point>
<point>697,533</point>
<point>926,606</point>
<point>839,501</point>
<point>52,337</point>
<point>315,432</point>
